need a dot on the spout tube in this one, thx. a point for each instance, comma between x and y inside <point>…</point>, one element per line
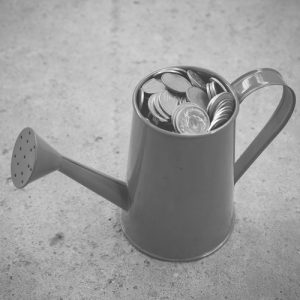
<point>112,189</point>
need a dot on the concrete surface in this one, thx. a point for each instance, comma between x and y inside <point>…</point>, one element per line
<point>68,69</point>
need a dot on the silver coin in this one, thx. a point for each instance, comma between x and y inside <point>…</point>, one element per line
<point>197,96</point>
<point>153,110</point>
<point>190,119</point>
<point>213,90</point>
<point>220,119</point>
<point>227,101</point>
<point>225,104</point>
<point>150,107</point>
<point>216,123</point>
<point>224,111</point>
<point>196,80</point>
<point>174,116</point>
<point>222,114</point>
<point>174,70</point>
<point>153,86</point>
<point>168,102</point>
<point>180,70</point>
<point>209,94</point>
<point>219,84</point>
<point>212,105</point>
<point>157,106</point>
<point>175,83</point>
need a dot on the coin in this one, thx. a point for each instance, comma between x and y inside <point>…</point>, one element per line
<point>168,102</point>
<point>158,108</point>
<point>220,87</point>
<point>174,70</point>
<point>213,89</point>
<point>153,111</point>
<point>208,91</point>
<point>197,96</point>
<point>190,119</point>
<point>221,117</point>
<point>216,123</point>
<point>223,113</point>
<point>225,106</point>
<point>152,86</point>
<point>196,80</point>
<point>212,105</point>
<point>175,83</point>
<point>221,109</point>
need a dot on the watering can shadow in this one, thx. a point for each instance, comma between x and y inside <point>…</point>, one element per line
<point>177,201</point>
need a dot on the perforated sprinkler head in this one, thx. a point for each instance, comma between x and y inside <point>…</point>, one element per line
<point>32,158</point>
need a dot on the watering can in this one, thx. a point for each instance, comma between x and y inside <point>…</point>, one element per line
<point>177,199</point>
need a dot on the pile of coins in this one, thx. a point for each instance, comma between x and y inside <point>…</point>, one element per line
<point>185,102</point>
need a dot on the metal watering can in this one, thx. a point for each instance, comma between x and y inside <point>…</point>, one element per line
<point>177,200</point>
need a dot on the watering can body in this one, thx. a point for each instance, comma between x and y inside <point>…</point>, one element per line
<point>177,199</point>
<point>180,191</point>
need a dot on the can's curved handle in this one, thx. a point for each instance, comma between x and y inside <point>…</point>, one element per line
<point>247,84</point>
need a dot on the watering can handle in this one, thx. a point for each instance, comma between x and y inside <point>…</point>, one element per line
<point>247,84</point>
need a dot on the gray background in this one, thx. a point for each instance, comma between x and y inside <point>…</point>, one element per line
<point>68,69</point>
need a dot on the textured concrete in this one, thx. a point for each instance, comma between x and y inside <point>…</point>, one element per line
<point>68,69</point>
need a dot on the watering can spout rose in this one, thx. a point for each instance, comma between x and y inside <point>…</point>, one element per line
<point>177,199</point>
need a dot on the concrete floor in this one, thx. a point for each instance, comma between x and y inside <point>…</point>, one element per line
<point>68,70</point>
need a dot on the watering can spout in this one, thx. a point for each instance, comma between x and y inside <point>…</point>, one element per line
<point>33,158</point>
<point>106,186</point>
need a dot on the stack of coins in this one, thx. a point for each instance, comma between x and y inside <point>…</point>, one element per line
<point>185,102</point>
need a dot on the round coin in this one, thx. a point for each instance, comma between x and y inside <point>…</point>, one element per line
<point>212,105</point>
<point>219,85</point>
<point>153,110</point>
<point>175,83</point>
<point>174,70</point>
<point>197,96</point>
<point>208,91</point>
<point>190,119</point>
<point>222,114</point>
<point>225,104</point>
<point>218,121</point>
<point>213,90</point>
<point>196,80</point>
<point>157,106</point>
<point>174,116</point>
<point>153,86</point>
<point>168,102</point>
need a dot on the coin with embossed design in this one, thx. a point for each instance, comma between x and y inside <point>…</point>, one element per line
<point>190,119</point>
